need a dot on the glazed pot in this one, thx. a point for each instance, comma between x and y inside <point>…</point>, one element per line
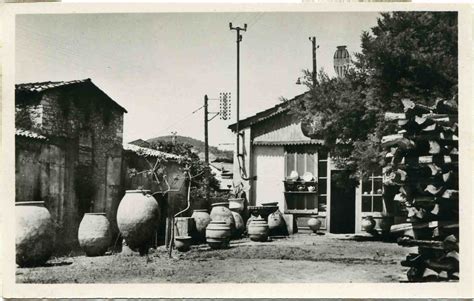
<point>220,212</point>
<point>182,243</point>
<point>201,220</point>
<point>138,218</point>
<point>34,230</point>
<point>276,223</point>
<point>314,223</point>
<point>236,204</point>
<point>258,229</point>
<point>368,224</point>
<point>218,234</point>
<point>239,225</point>
<point>94,234</point>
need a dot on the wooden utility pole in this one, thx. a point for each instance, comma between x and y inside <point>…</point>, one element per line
<point>206,145</point>
<point>239,39</point>
<point>315,67</point>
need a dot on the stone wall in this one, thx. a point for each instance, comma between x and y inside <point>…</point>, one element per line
<point>80,165</point>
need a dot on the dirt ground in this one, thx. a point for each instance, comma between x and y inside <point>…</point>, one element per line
<point>298,258</point>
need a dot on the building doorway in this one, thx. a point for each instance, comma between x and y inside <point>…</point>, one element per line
<point>342,202</point>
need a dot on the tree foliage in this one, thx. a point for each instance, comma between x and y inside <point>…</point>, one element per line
<point>407,55</point>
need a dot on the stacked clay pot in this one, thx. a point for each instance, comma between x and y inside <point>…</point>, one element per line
<point>368,224</point>
<point>220,212</point>
<point>94,234</point>
<point>276,224</point>
<point>138,218</point>
<point>218,234</point>
<point>258,229</point>
<point>236,204</point>
<point>239,225</point>
<point>201,219</point>
<point>182,243</point>
<point>34,234</point>
<point>314,223</point>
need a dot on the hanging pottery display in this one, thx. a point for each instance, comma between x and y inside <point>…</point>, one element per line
<point>220,212</point>
<point>94,234</point>
<point>201,220</point>
<point>239,225</point>
<point>258,229</point>
<point>34,231</point>
<point>138,218</point>
<point>218,234</point>
<point>314,223</point>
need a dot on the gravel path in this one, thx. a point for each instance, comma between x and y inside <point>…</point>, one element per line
<point>299,258</point>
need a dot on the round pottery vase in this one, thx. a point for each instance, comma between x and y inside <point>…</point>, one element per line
<point>239,225</point>
<point>94,234</point>
<point>314,223</point>
<point>258,230</point>
<point>218,234</point>
<point>236,204</point>
<point>34,239</point>
<point>182,243</point>
<point>138,218</point>
<point>276,223</point>
<point>368,224</point>
<point>220,212</point>
<point>201,219</point>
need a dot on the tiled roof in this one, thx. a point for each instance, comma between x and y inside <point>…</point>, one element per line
<point>29,134</point>
<point>263,115</point>
<point>43,86</point>
<point>148,152</point>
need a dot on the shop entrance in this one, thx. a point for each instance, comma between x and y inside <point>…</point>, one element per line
<point>342,202</point>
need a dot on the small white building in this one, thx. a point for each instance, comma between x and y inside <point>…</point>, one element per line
<point>273,146</point>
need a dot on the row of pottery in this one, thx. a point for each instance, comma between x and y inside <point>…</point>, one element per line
<point>34,239</point>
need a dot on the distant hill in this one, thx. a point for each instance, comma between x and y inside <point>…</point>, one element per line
<point>215,154</point>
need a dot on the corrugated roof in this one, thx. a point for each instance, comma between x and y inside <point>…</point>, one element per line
<point>301,142</point>
<point>263,115</point>
<point>29,134</point>
<point>148,152</point>
<point>39,87</point>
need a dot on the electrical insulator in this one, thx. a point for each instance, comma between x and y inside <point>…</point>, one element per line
<point>224,105</point>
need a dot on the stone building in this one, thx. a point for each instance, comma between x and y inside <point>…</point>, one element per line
<point>68,152</point>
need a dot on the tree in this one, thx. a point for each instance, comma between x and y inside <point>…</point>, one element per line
<point>407,55</point>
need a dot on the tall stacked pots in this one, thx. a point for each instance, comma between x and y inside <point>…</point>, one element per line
<point>34,234</point>
<point>220,212</point>
<point>94,234</point>
<point>218,234</point>
<point>258,229</point>
<point>138,218</point>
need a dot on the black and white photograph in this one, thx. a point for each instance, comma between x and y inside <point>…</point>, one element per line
<point>228,146</point>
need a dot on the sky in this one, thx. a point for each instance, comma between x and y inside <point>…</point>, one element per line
<point>159,66</point>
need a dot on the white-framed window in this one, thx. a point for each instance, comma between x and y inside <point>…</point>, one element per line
<point>372,194</point>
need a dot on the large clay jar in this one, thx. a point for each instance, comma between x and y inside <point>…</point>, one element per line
<point>220,212</point>
<point>276,223</point>
<point>368,224</point>
<point>314,223</point>
<point>138,218</point>
<point>218,234</point>
<point>201,219</point>
<point>94,234</point>
<point>239,225</point>
<point>34,234</point>
<point>258,229</point>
